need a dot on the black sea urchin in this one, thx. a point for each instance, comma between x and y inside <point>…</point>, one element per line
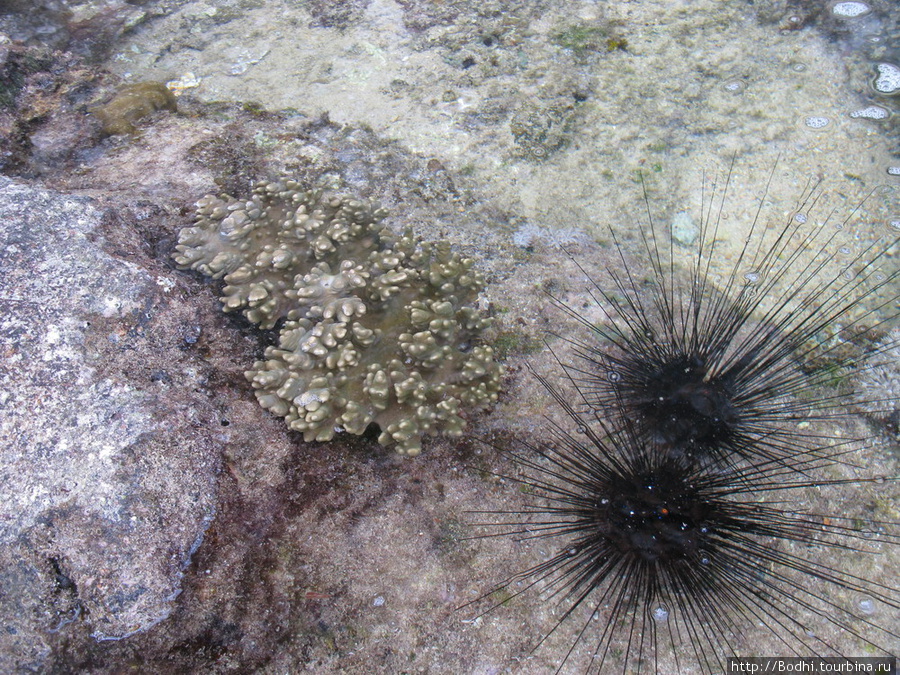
<point>709,498</point>
<point>725,369</point>
<point>664,565</point>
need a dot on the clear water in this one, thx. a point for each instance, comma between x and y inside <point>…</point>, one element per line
<point>555,110</point>
<point>596,91</point>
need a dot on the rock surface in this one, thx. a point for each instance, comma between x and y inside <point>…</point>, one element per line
<point>108,476</point>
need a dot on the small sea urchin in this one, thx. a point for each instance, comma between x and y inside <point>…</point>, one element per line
<point>709,496</point>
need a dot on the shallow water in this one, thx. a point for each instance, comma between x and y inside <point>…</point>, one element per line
<point>554,107</point>
<point>555,111</point>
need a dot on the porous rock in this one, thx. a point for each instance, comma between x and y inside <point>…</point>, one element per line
<point>108,481</point>
<point>378,328</point>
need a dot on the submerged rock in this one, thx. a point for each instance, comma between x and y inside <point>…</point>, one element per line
<point>108,474</point>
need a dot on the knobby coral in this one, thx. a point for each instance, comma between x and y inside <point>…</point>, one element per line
<point>377,327</point>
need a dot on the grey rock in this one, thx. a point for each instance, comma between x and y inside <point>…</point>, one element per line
<point>107,475</point>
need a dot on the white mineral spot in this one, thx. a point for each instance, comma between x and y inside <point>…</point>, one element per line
<point>873,112</point>
<point>816,122</point>
<point>378,602</point>
<point>111,306</point>
<point>186,81</point>
<point>166,283</point>
<point>245,60</point>
<point>888,80</point>
<point>684,229</point>
<point>893,171</point>
<point>529,234</point>
<point>306,398</point>
<point>849,10</point>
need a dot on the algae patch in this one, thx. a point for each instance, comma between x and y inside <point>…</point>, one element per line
<point>583,38</point>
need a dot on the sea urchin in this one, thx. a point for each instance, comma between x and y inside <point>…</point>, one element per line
<point>708,496</point>
<point>685,563</point>
<point>725,371</point>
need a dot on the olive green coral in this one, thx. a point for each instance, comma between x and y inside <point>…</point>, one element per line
<point>131,103</point>
<point>377,327</point>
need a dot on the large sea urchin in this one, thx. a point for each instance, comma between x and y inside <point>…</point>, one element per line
<point>664,565</point>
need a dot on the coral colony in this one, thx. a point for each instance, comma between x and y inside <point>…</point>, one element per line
<point>377,328</point>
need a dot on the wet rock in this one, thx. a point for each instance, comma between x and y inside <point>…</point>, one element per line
<point>336,14</point>
<point>539,131</point>
<point>86,28</point>
<point>108,474</point>
<point>43,96</point>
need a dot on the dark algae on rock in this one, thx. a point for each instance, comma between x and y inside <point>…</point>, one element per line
<point>374,327</point>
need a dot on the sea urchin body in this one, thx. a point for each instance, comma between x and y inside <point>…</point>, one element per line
<point>685,563</point>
